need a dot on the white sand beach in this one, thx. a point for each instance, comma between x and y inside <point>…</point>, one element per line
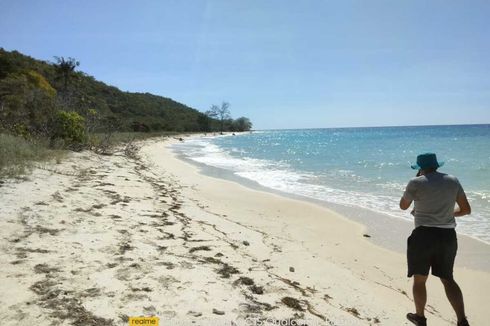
<point>97,239</point>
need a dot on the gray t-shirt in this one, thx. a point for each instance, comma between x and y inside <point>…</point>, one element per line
<point>434,197</point>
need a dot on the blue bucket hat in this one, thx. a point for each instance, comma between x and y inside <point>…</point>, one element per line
<point>427,161</point>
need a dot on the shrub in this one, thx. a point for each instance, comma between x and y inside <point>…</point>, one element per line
<point>70,126</point>
<point>38,80</point>
<point>139,127</point>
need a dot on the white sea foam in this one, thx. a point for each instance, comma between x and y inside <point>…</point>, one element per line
<point>202,151</point>
<point>281,177</point>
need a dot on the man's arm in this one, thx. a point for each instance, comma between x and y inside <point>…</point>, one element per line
<point>405,204</point>
<point>464,207</point>
<point>408,196</point>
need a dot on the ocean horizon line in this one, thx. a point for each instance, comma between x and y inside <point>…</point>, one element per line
<point>380,127</point>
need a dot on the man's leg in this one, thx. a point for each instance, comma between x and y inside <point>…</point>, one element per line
<point>455,296</point>
<point>419,293</point>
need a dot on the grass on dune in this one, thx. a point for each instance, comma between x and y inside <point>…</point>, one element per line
<point>17,154</point>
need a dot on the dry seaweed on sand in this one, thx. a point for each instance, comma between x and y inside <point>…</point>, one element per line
<point>226,270</point>
<point>244,280</point>
<point>292,303</point>
<point>193,249</point>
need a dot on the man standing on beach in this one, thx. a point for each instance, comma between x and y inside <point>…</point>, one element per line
<point>433,243</point>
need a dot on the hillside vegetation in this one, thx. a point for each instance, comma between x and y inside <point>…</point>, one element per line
<point>55,104</point>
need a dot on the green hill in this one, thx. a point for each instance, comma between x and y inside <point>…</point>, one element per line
<point>32,91</point>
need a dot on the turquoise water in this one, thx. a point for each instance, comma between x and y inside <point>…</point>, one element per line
<point>360,167</point>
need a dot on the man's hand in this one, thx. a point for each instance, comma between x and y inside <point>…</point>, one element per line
<point>405,204</point>
<point>464,207</point>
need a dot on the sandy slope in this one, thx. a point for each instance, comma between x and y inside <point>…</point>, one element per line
<point>96,239</point>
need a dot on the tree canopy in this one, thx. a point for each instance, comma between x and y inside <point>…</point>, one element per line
<point>223,115</point>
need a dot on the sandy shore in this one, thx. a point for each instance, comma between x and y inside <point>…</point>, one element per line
<point>97,239</point>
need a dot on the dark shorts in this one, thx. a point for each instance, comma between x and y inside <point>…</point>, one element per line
<point>432,247</point>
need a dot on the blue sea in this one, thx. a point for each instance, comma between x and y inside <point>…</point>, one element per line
<point>358,167</point>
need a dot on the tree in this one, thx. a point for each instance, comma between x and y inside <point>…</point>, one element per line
<point>6,66</point>
<point>92,120</point>
<point>221,113</point>
<point>242,124</point>
<point>204,122</point>
<point>65,70</point>
<point>139,127</point>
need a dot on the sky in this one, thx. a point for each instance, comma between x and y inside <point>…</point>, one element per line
<point>282,63</point>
